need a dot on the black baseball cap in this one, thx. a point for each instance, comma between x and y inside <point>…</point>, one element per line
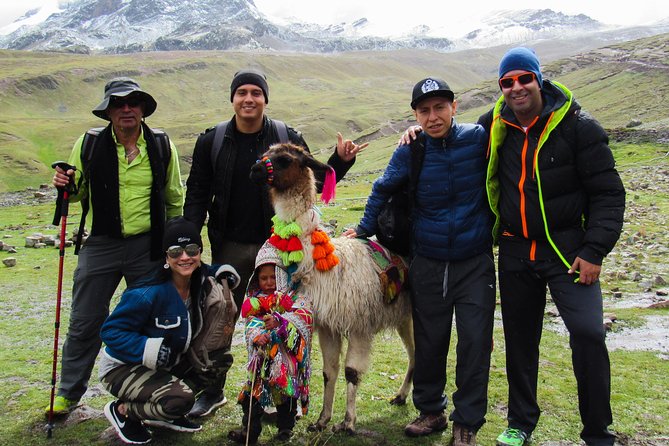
<point>430,87</point>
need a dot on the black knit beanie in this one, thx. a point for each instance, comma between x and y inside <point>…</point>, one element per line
<point>249,76</point>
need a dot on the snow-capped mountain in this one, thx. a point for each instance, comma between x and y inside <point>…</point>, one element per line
<point>115,26</point>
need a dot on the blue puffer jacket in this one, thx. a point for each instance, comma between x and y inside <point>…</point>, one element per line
<point>144,319</point>
<point>451,216</point>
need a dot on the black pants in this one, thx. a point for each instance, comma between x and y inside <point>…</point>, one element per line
<point>522,286</point>
<point>439,289</point>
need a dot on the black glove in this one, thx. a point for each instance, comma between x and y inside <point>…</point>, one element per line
<point>163,356</point>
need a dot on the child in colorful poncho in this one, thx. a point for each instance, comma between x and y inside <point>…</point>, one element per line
<point>278,339</point>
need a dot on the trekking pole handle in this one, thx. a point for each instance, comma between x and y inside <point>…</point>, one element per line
<point>65,167</point>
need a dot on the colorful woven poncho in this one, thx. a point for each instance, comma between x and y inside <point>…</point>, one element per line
<point>281,368</point>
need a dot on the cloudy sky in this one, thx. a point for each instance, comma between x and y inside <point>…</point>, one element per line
<point>388,15</point>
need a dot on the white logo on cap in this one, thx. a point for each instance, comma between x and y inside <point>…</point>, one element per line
<point>430,85</point>
<point>183,239</point>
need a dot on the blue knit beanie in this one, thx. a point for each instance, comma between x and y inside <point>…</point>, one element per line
<point>521,58</point>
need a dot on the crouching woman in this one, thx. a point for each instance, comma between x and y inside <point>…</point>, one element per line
<point>146,363</point>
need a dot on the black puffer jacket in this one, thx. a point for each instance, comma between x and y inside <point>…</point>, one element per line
<point>569,197</point>
<point>208,187</point>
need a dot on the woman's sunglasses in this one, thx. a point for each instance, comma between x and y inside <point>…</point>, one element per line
<point>524,79</point>
<point>174,252</point>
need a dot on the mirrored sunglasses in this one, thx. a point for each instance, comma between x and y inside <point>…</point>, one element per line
<point>523,79</point>
<point>174,252</point>
<point>120,102</point>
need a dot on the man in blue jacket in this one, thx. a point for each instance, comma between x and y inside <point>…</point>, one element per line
<point>452,269</point>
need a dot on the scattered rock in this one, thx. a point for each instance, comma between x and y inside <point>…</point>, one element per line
<point>553,312</point>
<point>662,304</point>
<point>9,262</point>
<point>659,281</point>
<point>636,277</point>
<point>617,294</point>
<point>661,293</point>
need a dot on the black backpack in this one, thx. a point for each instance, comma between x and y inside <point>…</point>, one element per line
<point>394,220</point>
<point>87,146</point>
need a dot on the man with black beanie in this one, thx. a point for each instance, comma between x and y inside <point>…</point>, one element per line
<point>219,187</point>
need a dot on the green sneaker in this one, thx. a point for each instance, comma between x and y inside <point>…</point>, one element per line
<point>512,437</point>
<point>61,406</point>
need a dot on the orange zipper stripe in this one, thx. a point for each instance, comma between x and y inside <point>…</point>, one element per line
<point>533,250</point>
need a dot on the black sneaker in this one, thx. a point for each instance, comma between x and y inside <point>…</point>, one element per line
<point>128,430</point>
<point>182,424</point>
<point>206,404</point>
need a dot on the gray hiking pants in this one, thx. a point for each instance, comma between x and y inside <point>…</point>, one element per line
<point>103,261</point>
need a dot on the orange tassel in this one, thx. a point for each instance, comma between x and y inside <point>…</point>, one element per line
<point>322,265</point>
<point>329,248</point>
<point>319,237</point>
<point>332,260</point>
<point>319,252</point>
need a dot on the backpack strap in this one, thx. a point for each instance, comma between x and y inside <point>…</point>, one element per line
<point>417,149</point>
<point>281,130</point>
<point>90,138</point>
<point>217,145</point>
<point>164,150</point>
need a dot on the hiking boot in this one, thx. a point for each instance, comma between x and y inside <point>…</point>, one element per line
<point>512,437</point>
<point>61,406</point>
<point>239,436</point>
<point>283,435</point>
<point>129,430</point>
<point>462,436</point>
<point>206,404</point>
<point>182,424</point>
<point>426,424</point>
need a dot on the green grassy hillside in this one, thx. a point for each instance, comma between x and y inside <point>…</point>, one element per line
<point>46,98</point>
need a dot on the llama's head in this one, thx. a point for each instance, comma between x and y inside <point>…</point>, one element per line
<point>288,169</point>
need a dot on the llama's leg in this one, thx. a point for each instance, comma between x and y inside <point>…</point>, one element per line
<point>330,350</point>
<point>405,330</point>
<point>357,362</point>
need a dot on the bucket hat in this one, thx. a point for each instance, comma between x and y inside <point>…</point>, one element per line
<point>121,87</point>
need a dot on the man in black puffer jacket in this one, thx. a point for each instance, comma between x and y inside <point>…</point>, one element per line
<point>559,203</point>
<point>219,187</point>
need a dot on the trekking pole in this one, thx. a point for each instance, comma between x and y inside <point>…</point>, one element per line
<point>60,216</point>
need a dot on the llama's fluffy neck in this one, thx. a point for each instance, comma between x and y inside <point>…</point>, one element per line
<point>292,203</point>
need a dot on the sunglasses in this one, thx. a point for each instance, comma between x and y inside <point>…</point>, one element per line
<point>523,79</point>
<point>120,102</point>
<point>174,252</point>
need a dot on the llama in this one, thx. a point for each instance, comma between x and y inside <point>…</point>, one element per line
<point>348,299</point>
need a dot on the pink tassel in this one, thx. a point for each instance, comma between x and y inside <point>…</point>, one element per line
<point>329,186</point>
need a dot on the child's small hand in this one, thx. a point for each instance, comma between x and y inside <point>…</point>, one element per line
<point>262,339</point>
<point>270,321</point>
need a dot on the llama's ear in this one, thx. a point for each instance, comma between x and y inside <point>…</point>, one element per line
<point>314,164</point>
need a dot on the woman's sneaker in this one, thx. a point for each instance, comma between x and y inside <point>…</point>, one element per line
<point>182,424</point>
<point>128,430</point>
<point>512,437</point>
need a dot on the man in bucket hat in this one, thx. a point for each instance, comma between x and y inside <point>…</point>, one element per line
<point>128,174</point>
